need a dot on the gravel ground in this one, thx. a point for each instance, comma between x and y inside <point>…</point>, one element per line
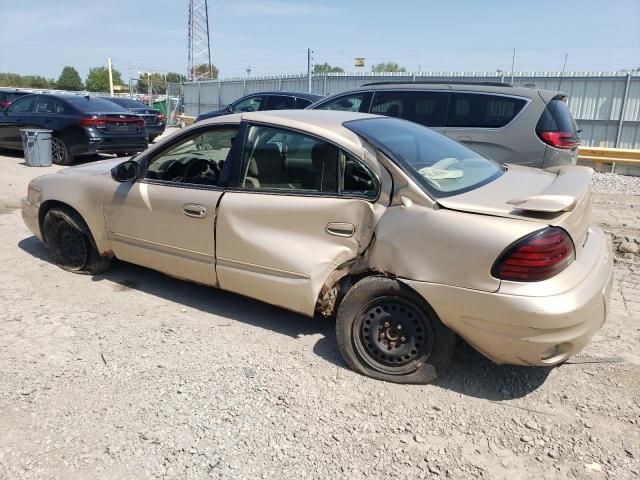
<point>133,374</point>
<point>614,183</point>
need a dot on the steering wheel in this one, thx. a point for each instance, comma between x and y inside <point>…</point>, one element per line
<point>196,167</point>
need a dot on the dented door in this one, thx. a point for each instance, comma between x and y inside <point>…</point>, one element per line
<point>281,249</point>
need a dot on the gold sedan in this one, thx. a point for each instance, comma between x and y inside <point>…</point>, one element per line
<point>406,237</point>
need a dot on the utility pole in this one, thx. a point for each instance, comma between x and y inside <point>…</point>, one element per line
<point>110,76</point>
<point>149,88</point>
<point>513,64</point>
<point>309,52</point>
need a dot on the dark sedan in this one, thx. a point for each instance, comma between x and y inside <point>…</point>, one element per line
<point>265,101</point>
<point>82,125</point>
<point>153,119</point>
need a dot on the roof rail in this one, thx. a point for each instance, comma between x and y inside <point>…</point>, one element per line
<point>436,82</point>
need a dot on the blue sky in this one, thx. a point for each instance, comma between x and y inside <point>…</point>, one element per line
<point>42,36</point>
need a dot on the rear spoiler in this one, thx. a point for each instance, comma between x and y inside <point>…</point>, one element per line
<point>562,195</point>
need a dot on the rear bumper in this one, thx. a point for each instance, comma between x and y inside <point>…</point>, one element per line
<point>155,130</point>
<point>116,144</point>
<point>529,330</point>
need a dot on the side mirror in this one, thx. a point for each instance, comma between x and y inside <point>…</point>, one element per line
<point>229,108</point>
<point>125,172</point>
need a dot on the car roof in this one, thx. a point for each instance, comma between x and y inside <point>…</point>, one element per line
<point>324,123</point>
<point>308,96</point>
<point>489,87</point>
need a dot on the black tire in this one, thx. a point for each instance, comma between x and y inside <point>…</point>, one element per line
<point>386,331</point>
<point>123,154</point>
<point>70,243</point>
<point>151,139</point>
<point>60,153</point>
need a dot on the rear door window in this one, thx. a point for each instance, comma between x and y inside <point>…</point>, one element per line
<point>280,102</point>
<point>482,111</point>
<point>346,103</point>
<point>302,103</point>
<point>425,108</point>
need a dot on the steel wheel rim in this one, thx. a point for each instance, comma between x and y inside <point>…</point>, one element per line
<point>57,150</point>
<point>71,246</point>
<point>393,336</point>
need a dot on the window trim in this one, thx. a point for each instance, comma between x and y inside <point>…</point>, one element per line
<point>33,106</point>
<point>148,158</point>
<point>234,180</point>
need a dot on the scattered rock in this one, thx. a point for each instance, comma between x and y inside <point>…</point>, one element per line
<point>594,467</point>
<point>628,247</point>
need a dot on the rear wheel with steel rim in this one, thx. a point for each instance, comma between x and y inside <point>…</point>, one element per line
<point>70,242</point>
<point>387,331</point>
<point>60,152</point>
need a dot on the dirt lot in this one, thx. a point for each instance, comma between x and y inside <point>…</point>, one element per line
<point>132,374</point>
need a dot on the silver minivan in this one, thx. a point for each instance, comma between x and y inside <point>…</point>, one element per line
<point>526,126</point>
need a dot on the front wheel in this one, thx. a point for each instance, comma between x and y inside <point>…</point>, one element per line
<point>70,243</point>
<point>388,332</point>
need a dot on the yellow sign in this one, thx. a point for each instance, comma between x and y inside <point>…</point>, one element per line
<point>359,62</point>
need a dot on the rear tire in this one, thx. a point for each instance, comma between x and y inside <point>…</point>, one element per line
<point>388,332</point>
<point>60,152</point>
<point>70,243</point>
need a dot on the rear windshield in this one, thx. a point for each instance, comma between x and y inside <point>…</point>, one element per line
<point>93,104</point>
<point>443,167</point>
<point>557,118</point>
<point>127,102</point>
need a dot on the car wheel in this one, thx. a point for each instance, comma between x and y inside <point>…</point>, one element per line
<point>60,152</point>
<point>151,139</point>
<point>388,332</point>
<point>71,244</point>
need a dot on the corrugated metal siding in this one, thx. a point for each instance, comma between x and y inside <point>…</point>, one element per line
<point>595,98</point>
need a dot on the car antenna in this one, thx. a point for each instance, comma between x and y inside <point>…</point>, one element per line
<point>564,65</point>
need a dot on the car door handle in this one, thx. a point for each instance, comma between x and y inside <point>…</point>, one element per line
<point>340,229</point>
<point>194,210</point>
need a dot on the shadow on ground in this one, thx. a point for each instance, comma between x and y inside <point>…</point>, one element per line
<point>469,374</point>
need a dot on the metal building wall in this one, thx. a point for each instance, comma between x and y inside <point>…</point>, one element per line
<point>595,98</point>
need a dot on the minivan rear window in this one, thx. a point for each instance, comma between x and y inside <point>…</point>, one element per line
<point>441,166</point>
<point>557,118</point>
<point>482,111</point>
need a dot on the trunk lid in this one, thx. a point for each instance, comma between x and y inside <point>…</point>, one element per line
<point>149,115</point>
<point>559,196</point>
<point>118,123</point>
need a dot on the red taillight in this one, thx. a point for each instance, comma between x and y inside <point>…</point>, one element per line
<point>559,139</point>
<point>101,122</point>
<point>536,257</point>
<point>5,104</point>
<point>160,117</point>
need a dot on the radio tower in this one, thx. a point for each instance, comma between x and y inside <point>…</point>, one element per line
<point>199,45</point>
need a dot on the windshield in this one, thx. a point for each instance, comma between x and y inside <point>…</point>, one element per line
<point>440,165</point>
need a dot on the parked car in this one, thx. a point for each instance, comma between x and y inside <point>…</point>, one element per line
<point>8,95</point>
<point>265,101</point>
<point>525,126</point>
<point>407,236</point>
<point>154,120</point>
<point>82,125</point>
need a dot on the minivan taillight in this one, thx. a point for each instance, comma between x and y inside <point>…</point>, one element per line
<point>536,257</point>
<point>559,139</point>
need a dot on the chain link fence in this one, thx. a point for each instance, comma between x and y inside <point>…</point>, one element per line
<point>164,96</point>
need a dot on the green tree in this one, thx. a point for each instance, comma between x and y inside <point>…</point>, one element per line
<point>69,80</point>
<point>320,68</point>
<point>26,81</point>
<point>174,77</point>
<point>98,79</point>
<point>387,67</point>
<point>203,71</point>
